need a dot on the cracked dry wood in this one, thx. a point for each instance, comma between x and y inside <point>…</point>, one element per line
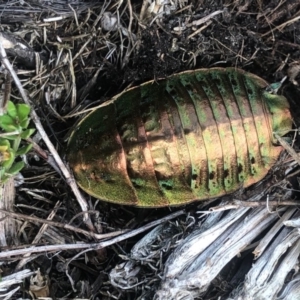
<point>7,224</point>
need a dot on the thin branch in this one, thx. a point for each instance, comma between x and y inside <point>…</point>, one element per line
<point>205,19</point>
<point>69,178</point>
<point>281,26</point>
<point>236,204</point>
<point>288,148</point>
<point>60,225</point>
<point>91,246</point>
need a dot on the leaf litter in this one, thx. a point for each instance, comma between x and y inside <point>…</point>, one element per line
<point>70,57</point>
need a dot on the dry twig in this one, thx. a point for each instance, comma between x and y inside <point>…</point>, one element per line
<point>288,148</point>
<point>69,178</point>
<point>281,26</point>
<point>90,234</point>
<point>92,246</point>
<point>236,204</point>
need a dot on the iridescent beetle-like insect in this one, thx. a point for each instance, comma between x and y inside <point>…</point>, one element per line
<point>192,136</point>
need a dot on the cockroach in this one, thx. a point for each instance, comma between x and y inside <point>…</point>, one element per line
<point>192,136</point>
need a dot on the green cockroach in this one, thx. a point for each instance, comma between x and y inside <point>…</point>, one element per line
<point>192,136</point>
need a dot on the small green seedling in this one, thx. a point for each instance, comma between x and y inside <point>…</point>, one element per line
<point>14,125</point>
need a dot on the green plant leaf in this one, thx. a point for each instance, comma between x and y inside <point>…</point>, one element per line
<point>24,150</point>
<point>27,133</point>
<point>11,109</point>
<point>8,163</point>
<point>7,123</point>
<point>11,137</point>
<point>5,152</point>
<point>16,119</point>
<point>24,124</point>
<point>16,168</point>
<point>4,142</point>
<point>23,111</point>
<point>3,178</point>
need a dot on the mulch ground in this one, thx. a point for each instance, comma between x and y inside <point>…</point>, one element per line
<point>91,53</point>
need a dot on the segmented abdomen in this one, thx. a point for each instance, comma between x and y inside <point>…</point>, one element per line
<point>196,135</point>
